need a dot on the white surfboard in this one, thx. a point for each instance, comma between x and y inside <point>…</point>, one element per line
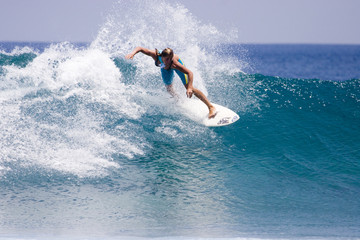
<point>198,111</point>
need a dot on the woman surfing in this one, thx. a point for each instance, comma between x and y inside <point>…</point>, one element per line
<point>170,63</point>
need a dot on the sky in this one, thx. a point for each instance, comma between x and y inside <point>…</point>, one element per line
<point>257,21</point>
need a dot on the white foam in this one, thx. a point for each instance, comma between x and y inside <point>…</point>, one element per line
<point>41,126</point>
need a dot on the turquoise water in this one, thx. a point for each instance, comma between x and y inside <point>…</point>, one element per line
<point>92,146</point>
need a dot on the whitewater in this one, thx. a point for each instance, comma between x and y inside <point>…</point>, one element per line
<point>93,147</point>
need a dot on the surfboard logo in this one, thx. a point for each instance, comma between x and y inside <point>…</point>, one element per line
<point>224,120</point>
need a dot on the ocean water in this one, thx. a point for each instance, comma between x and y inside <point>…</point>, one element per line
<point>93,147</point>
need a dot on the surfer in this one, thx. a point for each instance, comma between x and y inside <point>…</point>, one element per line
<point>170,63</point>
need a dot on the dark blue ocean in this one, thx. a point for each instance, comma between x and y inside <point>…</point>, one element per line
<point>93,147</point>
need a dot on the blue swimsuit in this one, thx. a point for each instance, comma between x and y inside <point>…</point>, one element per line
<point>168,74</point>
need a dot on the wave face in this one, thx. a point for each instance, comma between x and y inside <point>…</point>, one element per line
<point>92,145</point>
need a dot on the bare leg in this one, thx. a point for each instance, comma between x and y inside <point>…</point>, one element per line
<point>202,97</point>
<point>170,90</point>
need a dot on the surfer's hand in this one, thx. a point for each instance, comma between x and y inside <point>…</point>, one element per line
<point>129,56</point>
<point>189,92</point>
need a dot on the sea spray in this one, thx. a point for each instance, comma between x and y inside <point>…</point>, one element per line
<point>53,111</point>
<point>158,24</point>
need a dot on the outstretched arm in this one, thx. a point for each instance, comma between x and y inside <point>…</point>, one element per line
<point>145,51</point>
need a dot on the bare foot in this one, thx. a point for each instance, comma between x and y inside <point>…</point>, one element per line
<point>212,112</point>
